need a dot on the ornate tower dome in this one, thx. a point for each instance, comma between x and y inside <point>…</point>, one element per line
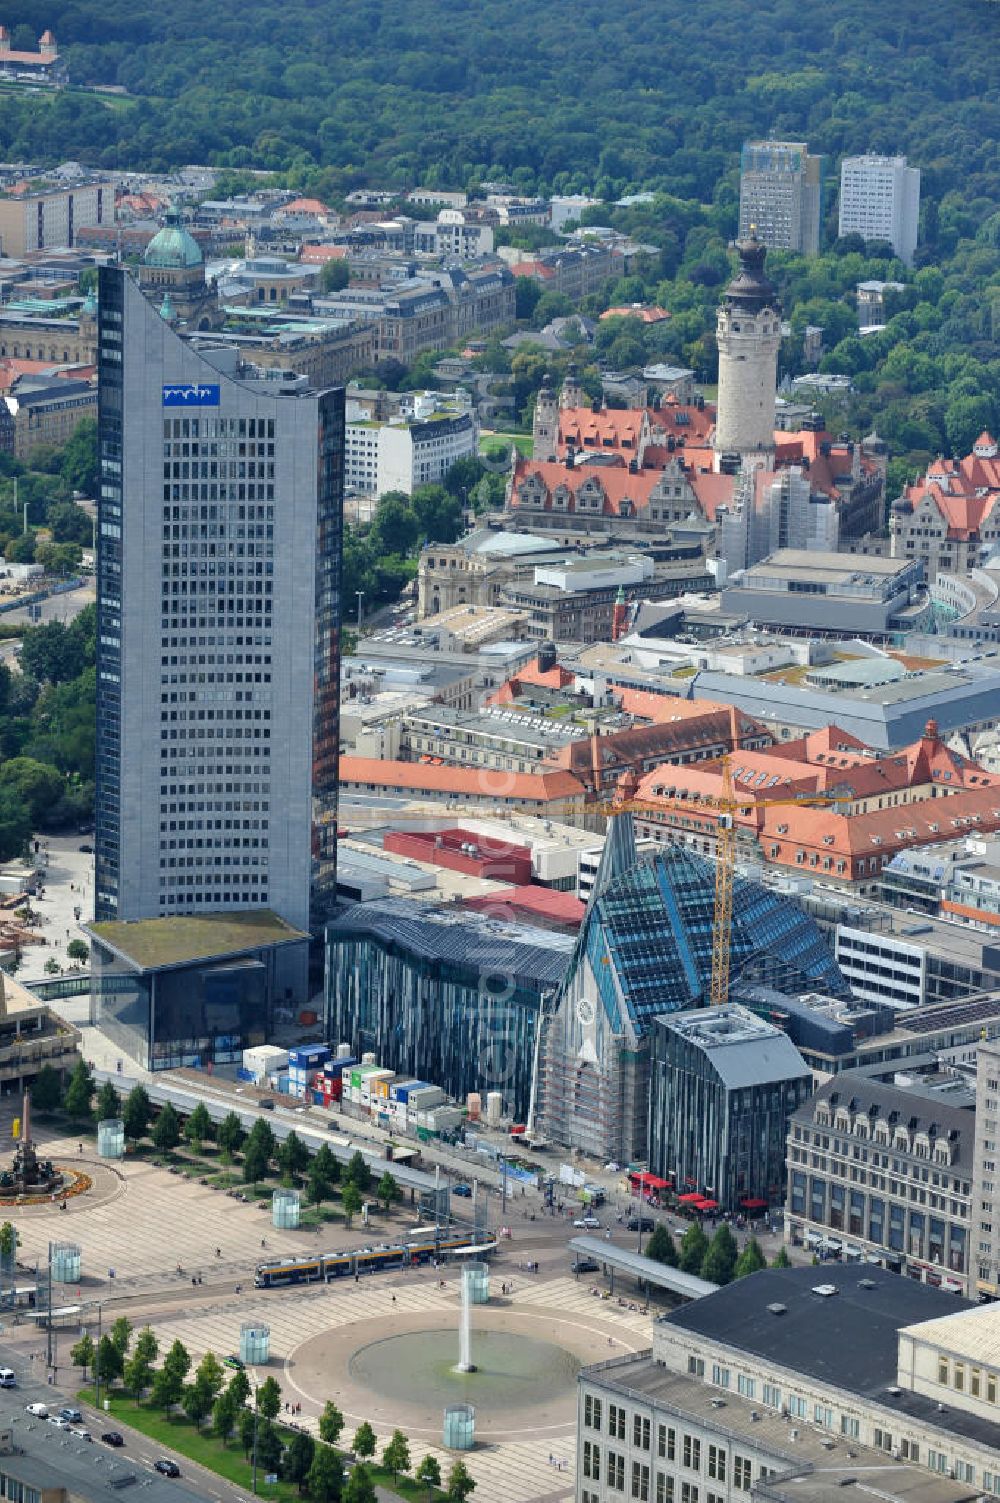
<point>173,272</point>
<point>173,249</point>
<point>749,334</point>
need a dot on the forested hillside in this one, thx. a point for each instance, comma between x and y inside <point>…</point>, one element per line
<point>588,96</point>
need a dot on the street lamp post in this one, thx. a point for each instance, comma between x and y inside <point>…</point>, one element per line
<point>361,595</point>
<point>256,1414</point>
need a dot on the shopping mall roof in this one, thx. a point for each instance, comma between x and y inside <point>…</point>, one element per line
<point>162,943</point>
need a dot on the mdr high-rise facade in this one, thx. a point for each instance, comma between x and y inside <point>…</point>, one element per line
<point>218,600</point>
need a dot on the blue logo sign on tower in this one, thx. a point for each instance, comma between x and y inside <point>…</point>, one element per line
<point>191,395</point>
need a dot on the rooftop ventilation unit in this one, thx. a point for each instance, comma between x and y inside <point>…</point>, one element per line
<point>825,1290</point>
<point>777,1308</point>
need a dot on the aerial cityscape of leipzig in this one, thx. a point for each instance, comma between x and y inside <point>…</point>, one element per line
<point>500,752</point>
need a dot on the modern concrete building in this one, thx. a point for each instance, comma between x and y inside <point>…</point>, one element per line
<point>984,1259</point>
<point>52,214</point>
<point>31,1037</point>
<point>218,599</point>
<point>191,991</point>
<point>780,194</point>
<point>401,454</point>
<point>823,593</point>
<point>880,200</point>
<point>799,1384</point>
<point>723,1084</point>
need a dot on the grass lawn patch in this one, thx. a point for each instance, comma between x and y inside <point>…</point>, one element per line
<point>176,1433</point>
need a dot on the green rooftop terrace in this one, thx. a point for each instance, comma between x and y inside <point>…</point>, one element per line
<point>160,943</point>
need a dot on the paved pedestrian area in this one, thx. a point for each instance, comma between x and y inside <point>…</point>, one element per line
<point>525,1460</point>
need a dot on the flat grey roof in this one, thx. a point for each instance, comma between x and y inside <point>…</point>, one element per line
<point>848,1340</point>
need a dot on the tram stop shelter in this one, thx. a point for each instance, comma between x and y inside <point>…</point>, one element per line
<point>659,1275</point>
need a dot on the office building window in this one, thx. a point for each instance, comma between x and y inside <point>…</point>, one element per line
<point>640,1482</point>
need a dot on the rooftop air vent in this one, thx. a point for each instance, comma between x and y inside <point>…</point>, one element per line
<point>894,1390</point>
<point>867,1284</point>
<point>777,1308</point>
<point>825,1290</point>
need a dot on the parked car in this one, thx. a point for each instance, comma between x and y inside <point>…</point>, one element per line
<point>589,1223</point>
<point>166,1467</point>
<point>586,1265</point>
<point>86,850</point>
<point>267,1105</point>
<point>83,1435</point>
<point>71,1415</point>
<point>58,1421</point>
<point>113,1438</point>
<point>641,1223</point>
<point>8,1377</point>
<point>462,1190</point>
<point>233,1361</point>
<point>40,1411</point>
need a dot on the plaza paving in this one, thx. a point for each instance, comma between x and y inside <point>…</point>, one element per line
<point>142,1221</point>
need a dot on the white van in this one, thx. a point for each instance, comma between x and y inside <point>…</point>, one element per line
<point>8,1378</point>
<point>38,1410</point>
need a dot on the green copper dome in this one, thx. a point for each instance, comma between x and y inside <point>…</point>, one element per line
<point>173,248</point>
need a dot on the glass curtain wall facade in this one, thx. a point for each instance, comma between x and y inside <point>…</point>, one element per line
<point>723,1085</point>
<point>645,949</point>
<point>218,579</point>
<point>453,999</point>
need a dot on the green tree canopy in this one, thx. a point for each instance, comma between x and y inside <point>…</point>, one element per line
<point>325,1481</point>
<point>167,1129</point>
<point>137,1113</point>
<point>660,1246</point>
<point>364,1440</point>
<point>80,1091</point>
<point>750,1260</point>
<point>694,1246</point>
<point>720,1259</point>
<point>331,1423</point>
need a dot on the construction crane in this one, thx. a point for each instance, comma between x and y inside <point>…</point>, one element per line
<point>727,807</point>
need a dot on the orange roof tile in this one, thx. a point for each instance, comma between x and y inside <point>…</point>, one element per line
<point>480,783</point>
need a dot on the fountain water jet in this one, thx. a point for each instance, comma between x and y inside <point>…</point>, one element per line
<point>465,1362</point>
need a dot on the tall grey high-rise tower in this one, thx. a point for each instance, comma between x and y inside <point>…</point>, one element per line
<point>880,200</point>
<point>218,605</point>
<point>780,194</point>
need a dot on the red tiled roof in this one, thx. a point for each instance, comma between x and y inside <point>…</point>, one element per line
<point>617,482</point>
<point>479,783</point>
<point>37,59</point>
<point>318,254</point>
<point>560,908</point>
<point>610,429</point>
<point>303,206</point>
<point>648,314</point>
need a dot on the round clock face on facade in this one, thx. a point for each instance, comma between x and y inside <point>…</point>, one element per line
<point>585,1011</point>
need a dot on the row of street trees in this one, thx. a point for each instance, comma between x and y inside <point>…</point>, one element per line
<point>207,1400</point>
<point>319,1172</point>
<point>718,1260</point>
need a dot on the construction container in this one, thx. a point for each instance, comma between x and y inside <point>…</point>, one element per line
<point>265,1059</point>
<point>426,1096</point>
<point>474,1105</point>
<point>494,1108</point>
<point>343,1053</point>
